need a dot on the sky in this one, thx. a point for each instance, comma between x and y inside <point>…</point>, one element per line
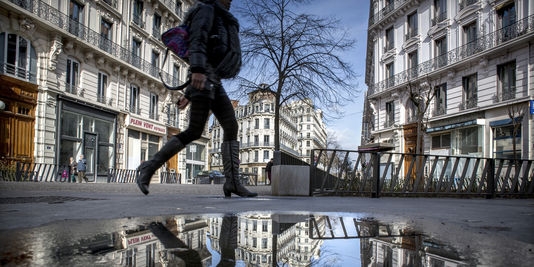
<point>353,15</point>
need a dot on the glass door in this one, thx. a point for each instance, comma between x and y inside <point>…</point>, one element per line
<point>90,147</point>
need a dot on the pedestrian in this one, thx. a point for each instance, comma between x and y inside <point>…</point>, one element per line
<point>268,169</point>
<point>81,168</point>
<point>212,57</point>
<point>72,169</point>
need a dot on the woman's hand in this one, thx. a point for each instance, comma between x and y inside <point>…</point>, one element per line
<point>182,102</point>
<point>198,80</point>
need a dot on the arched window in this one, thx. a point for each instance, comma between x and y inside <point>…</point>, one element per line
<point>17,57</point>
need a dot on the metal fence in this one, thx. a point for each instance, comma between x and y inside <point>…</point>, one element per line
<point>375,174</point>
<point>43,172</point>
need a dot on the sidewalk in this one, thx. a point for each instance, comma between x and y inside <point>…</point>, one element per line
<point>503,225</point>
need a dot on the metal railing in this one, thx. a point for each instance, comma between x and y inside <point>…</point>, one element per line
<point>34,172</point>
<point>346,172</point>
<point>91,37</point>
<point>470,50</point>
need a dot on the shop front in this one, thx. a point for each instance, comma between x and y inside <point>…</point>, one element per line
<point>88,131</point>
<point>143,139</point>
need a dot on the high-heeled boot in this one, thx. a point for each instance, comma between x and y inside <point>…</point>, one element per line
<point>147,168</point>
<point>228,241</point>
<point>230,156</point>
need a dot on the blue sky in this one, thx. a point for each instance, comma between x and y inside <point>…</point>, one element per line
<point>353,15</point>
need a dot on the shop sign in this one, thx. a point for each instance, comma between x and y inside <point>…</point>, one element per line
<point>145,125</point>
<point>136,240</point>
<point>531,107</point>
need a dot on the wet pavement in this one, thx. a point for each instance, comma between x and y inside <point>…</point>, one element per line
<point>53,224</point>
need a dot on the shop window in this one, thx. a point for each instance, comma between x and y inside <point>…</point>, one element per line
<point>503,141</point>
<point>17,57</point>
<point>469,141</point>
<point>441,141</point>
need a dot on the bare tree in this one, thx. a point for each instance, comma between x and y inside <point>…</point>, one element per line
<point>299,56</point>
<point>421,96</point>
<point>516,112</point>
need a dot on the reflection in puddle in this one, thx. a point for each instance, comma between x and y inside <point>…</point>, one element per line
<point>248,239</point>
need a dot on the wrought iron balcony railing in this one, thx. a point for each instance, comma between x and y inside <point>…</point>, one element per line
<point>467,51</point>
<point>439,18</point>
<point>19,72</point>
<point>91,37</point>
<point>387,10</point>
<point>465,3</point>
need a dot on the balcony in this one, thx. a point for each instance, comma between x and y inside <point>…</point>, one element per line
<point>471,50</point>
<point>386,11</point>
<point>88,36</point>
<point>504,95</point>
<point>19,72</point>
<point>469,103</point>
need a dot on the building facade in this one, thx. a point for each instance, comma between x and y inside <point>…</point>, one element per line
<point>81,77</point>
<point>302,129</point>
<point>451,77</point>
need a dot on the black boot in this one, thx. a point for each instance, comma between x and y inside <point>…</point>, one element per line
<point>230,156</point>
<point>147,168</point>
<point>228,241</point>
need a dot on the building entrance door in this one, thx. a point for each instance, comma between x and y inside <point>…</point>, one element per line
<point>90,147</point>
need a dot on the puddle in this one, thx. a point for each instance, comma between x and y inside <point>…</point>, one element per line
<point>245,239</point>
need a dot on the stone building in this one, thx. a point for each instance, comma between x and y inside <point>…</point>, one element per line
<point>451,77</point>
<point>302,129</point>
<point>81,77</point>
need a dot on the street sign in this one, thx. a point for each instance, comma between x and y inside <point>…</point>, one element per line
<point>531,107</point>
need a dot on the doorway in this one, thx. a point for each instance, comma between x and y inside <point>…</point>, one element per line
<point>90,151</point>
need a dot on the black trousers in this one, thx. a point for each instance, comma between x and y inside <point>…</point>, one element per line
<point>201,103</point>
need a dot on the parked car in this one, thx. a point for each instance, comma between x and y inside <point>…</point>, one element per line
<point>209,177</point>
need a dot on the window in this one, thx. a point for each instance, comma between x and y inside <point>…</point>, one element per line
<point>469,91</point>
<point>503,141</point>
<point>390,114</point>
<point>441,141</point>
<point>266,123</point>
<point>153,107</point>
<point>256,140</point>
<point>412,64</point>
<point>105,35</point>
<point>156,26</point>
<point>102,85</point>
<point>136,53</point>
<point>440,99</point>
<point>17,57</point>
<point>390,41</point>
<point>507,21</point>
<point>470,37</point>
<point>441,51</point>
<point>175,75</point>
<point>266,155</point>
<point>155,63</point>
<point>468,140</point>
<point>76,18</point>
<point>506,83</point>
<point>73,69</point>
<point>178,9</point>
<point>150,255</point>
<point>390,81</point>
<point>173,115</point>
<point>264,243</point>
<point>266,140</point>
<point>256,156</point>
<point>134,99</point>
<point>256,123</point>
<point>440,11</point>
<point>412,26</point>
<point>137,12</point>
